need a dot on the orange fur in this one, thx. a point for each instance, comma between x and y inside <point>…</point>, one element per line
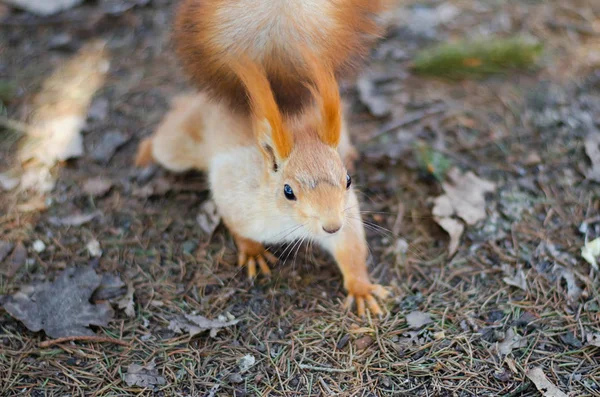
<point>207,32</point>
<point>144,154</point>
<point>263,105</point>
<point>327,95</point>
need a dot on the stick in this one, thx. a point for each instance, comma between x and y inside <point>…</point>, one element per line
<point>325,369</point>
<point>408,119</point>
<point>83,338</point>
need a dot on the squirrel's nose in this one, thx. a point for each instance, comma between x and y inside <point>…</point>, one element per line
<point>332,229</point>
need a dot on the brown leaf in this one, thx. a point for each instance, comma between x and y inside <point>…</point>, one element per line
<point>592,149</point>
<point>547,388</point>
<point>197,324</point>
<point>511,341</point>
<point>209,217</point>
<point>74,220</point>
<point>143,375</point>
<point>467,195</point>
<point>127,302</point>
<point>60,109</point>
<point>363,343</point>
<point>454,229</point>
<point>516,279</point>
<point>593,339</point>
<point>61,308</point>
<point>97,187</point>
<point>416,319</point>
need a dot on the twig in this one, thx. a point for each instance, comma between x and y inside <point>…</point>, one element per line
<point>408,119</point>
<point>83,338</point>
<point>325,369</point>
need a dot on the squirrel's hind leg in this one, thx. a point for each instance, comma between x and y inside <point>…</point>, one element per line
<point>177,144</point>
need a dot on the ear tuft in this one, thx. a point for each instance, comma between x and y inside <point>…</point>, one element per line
<point>267,119</point>
<point>327,95</point>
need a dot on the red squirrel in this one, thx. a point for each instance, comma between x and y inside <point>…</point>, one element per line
<point>276,176</point>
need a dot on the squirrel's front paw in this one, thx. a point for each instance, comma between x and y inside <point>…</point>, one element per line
<point>252,253</point>
<point>360,291</point>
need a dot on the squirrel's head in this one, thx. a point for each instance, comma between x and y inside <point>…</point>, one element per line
<point>304,170</point>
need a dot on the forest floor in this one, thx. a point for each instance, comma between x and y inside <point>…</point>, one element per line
<point>514,307</point>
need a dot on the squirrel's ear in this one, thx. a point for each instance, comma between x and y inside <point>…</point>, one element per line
<point>274,138</point>
<point>326,93</point>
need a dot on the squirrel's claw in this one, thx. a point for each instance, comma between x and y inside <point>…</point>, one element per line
<point>251,254</point>
<point>360,297</point>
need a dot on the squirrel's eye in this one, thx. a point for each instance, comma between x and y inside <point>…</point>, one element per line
<point>289,193</point>
<point>348,181</point>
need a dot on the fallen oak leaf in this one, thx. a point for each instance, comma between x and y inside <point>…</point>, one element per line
<point>593,339</point>
<point>454,229</point>
<point>127,302</point>
<point>417,319</point>
<point>467,195</point>
<point>143,375</point>
<point>512,340</point>
<point>197,324</point>
<point>541,382</point>
<point>516,279</point>
<point>61,308</point>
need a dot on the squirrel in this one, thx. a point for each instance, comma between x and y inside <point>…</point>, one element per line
<point>277,159</point>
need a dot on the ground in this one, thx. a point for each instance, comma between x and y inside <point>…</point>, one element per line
<point>523,130</point>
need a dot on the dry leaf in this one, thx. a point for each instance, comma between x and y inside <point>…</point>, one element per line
<point>593,339</point>
<point>143,376</point>
<point>467,195</point>
<point>110,287</point>
<point>127,302</point>
<point>74,220</point>
<point>60,109</point>
<point>61,308</point>
<point>93,247</point>
<point>464,198</point>
<point>547,388</point>
<point>97,187</point>
<point>590,251</point>
<point>197,324</point>
<point>363,343</point>
<point>516,279</point>
<point>592,148</point>
<point>209,217</point>
<point>511,341</point>
<point>454,229</point>
<point>418,319</point>
<point>246,363</point>
<point>573,290</point>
